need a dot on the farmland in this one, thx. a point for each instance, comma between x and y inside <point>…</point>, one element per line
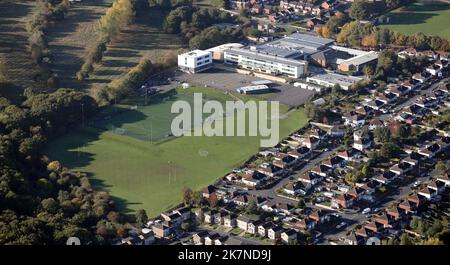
<point>13,46</point>
<point>430,18</point>
<point>70,39</point>
<point>151,176</point>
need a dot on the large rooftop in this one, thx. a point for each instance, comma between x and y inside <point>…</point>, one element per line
<point>362,58</point>
<point>196,53</point>
<point>266,57</point>
<point>294,45</point>
<point>343,80</point>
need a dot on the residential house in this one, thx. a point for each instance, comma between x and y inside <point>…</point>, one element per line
<point>263,229</point>
<point>333,162</point>
<point>384,220</point>
<point>274,233</point>
<point>199,237</point>
<point>162,229</point>
<point>320,170</point>
<point>209,192</point>
<point>174,217</point>
<point>354,120</point>
<point>242,222</point>
<point>184,212</point>
<point>349,154</point>
<point>393,213</point>
<point>270,169</point>
<point>300,152</point>
<point>253,179</point>
<point>406,207</point>
<point>375,123</point>
<point>209,216</point>
<point>342,201</point>
<point>429,151</point>
<point>230,220</point>
<point>252,227</point>
<point>210,239</point>
<point>289,236</point>
<point>311,142</point>
<point>401,168</point>
<point>319,216</point>
<point>444,179</point>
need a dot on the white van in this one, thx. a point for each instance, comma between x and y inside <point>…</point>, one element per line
<point>366,211</point>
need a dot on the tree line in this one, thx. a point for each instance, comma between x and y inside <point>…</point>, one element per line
<point>365,35</point>
<point>364,9</point>
<point>119,15</point>
<point>358,34</point>
<point>195,25</point>
<point>120,88</point>
<point>42,202</point>
<point>37,26</point>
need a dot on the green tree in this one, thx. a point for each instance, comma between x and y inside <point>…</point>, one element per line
<point>405,239</point>
<point>441,167</point>
<point>50,205</point>
<point>188,195</point>
<point>382,134</point>
<point>141,218</point>
<point>361,10</point>
<point>301,203</point>
<point>251,207</point>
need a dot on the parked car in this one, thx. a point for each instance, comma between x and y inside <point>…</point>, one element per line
<point>339,226</point>
<point>366,211</point>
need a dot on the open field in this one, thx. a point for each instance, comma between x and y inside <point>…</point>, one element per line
<point>430,18</point>
<point>151,176</point>
<point>14,46</point>
<point>69,40</point>
<point>144,38</point>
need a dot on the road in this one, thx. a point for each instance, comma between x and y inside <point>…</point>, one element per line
<point>308,166</point>
<point>394,194</point>
<point>420,93</point>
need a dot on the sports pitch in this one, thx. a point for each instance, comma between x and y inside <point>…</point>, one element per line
<point>142,174</point>
<point>431,18</point>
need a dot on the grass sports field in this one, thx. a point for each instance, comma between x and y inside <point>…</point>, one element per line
<point>430,18</point>
<point>140,174</point>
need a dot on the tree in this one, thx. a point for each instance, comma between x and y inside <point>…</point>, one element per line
<point>368,71</point>
<point>49,205</point>
<point>390,150</point>
<point>188,195</point>
<point>141,218</point>
<point>335,22</point>
<point>301,203</point>
<point>3,72</point>
<point>441,167</point>
<point>405,239</point>
<point>382,134</point>
<point>361,10</point>
<point>369,41</point>
<point>185,226</point>
<point>251,207</point>
<point>386,60</point>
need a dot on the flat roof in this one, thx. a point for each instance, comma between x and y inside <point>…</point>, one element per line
<point>312,40</point>
<point>294,45</point>
<point>253,88</point>
<point>196,53</point>
<point>362,58</point>
<point>334,78</point>
<point>266,57</point>
<point>225,46</point>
